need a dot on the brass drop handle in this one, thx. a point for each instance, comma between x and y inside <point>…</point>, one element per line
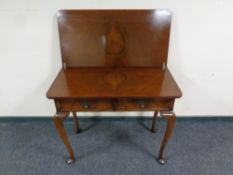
<point>86,105</point>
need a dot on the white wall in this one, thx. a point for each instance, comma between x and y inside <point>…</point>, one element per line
<point>200,56</point>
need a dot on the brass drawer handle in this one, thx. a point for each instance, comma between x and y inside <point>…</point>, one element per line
<point>86,105</point>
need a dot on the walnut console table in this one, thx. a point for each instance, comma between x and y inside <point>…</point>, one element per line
<point>114,60</point>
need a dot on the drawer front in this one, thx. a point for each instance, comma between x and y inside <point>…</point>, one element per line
<point>116,105</point>
<point>145,104</point>
<point>86,105</point>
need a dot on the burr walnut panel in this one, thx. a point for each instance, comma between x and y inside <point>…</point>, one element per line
<point>114,38</point>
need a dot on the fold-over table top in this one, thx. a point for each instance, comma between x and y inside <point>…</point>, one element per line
<point>100,38</point>
<point>114,83</point>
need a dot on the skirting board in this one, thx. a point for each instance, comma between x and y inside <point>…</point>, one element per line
<point>136,118</point>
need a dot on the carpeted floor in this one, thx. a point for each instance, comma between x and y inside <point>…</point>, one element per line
<point>116,147</point>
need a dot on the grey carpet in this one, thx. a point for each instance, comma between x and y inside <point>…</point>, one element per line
<point>109,147</point>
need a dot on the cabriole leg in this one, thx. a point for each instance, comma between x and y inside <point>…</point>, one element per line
<point>171,119</point>
<point>154,121</point>
<point>58,121</point>
<point>76,123</point>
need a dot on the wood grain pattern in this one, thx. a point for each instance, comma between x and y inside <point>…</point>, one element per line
<point>91,83</point>
<point>91,38</point>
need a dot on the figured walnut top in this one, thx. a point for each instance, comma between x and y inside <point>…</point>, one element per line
<point>114,83</point>
<point>100,38</point>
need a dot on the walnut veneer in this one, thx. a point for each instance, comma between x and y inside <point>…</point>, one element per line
<point>114,60</point>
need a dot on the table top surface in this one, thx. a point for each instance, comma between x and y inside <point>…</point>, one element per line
<point>108,38</point>
<point>114,83</point>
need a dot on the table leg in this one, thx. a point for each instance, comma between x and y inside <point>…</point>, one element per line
<point>171,119</point>
<point>76,123</point>
<point>58,121</point>
<point>154,122</point>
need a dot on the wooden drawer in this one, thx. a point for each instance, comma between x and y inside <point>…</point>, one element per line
<point>145,104</point>
<point>86,105</point>
<point>115,105</point>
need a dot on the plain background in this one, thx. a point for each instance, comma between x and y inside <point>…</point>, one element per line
<point>200,54</point>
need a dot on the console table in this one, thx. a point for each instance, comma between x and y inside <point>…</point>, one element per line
<point>114,60</point>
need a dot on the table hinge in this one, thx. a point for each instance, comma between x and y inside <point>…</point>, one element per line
<point>164,65</point>
<point>64,65</point>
